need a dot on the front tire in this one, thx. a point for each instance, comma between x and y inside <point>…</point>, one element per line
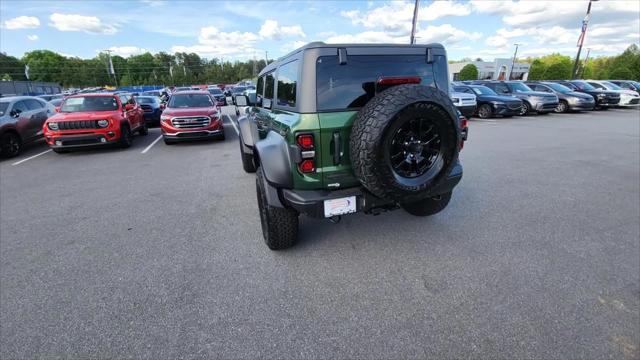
<point>279,225</point>
<point>248,165</point>
<point>563,107</point>
<point>10,145</point>
<point>485,111</point>
<point>429,206</point>
<point>525,109</point>
<point>144,130</point>
<point>126,137</point>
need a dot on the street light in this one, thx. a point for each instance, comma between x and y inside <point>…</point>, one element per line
<point>513,62</point>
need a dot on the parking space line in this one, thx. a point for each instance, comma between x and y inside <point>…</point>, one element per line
<point>151,145</point>
<point>30,157</point>
<point>234,124</point>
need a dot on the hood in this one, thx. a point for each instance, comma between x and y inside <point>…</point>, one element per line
<point>205,111</point>
<point>502,98</point>
<point>83,115</point>
<point>535,93</point>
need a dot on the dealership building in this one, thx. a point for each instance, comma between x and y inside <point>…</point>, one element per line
<point>499,69</point>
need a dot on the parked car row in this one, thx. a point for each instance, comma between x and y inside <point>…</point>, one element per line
<point>508,98</point>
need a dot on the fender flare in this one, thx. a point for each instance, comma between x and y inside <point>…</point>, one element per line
<point>275,160</point>
<point>247,133</point>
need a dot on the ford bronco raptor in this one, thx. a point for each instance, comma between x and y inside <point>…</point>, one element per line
<point>339,129</point>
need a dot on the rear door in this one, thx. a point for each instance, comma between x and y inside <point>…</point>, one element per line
<point>23,120</point>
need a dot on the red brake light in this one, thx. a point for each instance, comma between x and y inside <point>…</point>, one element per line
<point>464,123</point>
<point>305,141</point>
<point>307,166</point>
<point>390,81</point>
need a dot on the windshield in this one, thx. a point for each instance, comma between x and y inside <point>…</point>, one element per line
<point>583,85</point>
<point>89,103</point>
<point>611,86</point>
<point>216,91</point>
<point>483,90</point>
<point>239,89</point>
<point>145,100</point>
<point>559,88</point>
<point>190,101</point>
<point>3,107</point>
<point>519,87</point>
<point>56,102</point>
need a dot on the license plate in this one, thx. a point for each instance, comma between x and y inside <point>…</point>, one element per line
<point>341,206</point>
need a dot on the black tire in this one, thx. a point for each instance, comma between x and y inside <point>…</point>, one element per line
<point>485,111</point>
<point>248,164</point>
<point>562,107</point>
<point>10,145</point>
<point>604,108</point>
<point>126,137</point>
<point>544,113</point>
<point>144,130</point>
<point>525,109</point>
<point>279,225</point>
<point>60,151</point>
<point>379,128</point>
<point>429,206</point>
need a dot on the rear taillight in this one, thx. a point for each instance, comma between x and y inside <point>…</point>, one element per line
<point>307,146</point>
<point>390,81</point>
<point>464,130</point>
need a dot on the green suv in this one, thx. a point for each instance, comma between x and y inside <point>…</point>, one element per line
<point>339,129</point>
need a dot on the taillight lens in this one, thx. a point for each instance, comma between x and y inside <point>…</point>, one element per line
<point>305,141</point>
<point>307,166</point>
<point>464,129</point>
<point>390,81</point>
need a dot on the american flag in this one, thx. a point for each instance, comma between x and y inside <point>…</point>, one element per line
<point>583,32</point>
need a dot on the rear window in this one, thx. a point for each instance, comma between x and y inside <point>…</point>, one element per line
<point>352,85</point>
<point>287,80</point>
<point>190,101</point>
<point>90,103</point>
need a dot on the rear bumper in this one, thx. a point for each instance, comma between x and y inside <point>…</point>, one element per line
<point>311,202</point>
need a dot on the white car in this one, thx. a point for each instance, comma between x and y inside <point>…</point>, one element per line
<point>466,103</point>
<point>627,97</point>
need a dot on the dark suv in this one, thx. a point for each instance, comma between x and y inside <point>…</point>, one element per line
<point>532,101</point>
<point>339,129</point>
<point>604,99</point>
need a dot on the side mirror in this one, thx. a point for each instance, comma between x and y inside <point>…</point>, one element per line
<point>129,107</point>
<point>241,100</point>
<point>15,113</point>
<point>229,100</point>
<point>162,106</point>
<point>266,103</point>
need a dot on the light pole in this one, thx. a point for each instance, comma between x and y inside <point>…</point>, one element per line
<point>586,61</point>
<point>585,22</point>
<point>412,39</point>
<point>513,62</point>
<point>111,70</point>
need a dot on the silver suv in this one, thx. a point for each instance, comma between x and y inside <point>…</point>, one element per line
<point>21,120</point>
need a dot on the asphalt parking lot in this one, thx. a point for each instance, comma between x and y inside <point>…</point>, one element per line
<point>157,252</point>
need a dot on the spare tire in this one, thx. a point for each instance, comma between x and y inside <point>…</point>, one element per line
<point>404,142</point>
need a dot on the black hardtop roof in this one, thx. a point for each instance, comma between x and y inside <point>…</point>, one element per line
<point>320,44</point>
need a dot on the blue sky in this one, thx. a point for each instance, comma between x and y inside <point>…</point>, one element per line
<point>246,29</point>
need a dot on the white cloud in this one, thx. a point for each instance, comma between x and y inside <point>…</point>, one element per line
<point>396,16</point>
<point>497,41</point>
<point>87,24</point>
<point>271,30</point>
<point>367,37</point>
<point>154,3</point>
<point>126,51</point>
<point>445,33</point>
<point>215,43</point>
<point>32,37</point>
<point>290,46</point>
<point>22,22</point>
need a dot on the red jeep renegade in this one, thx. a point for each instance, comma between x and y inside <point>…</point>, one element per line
<point>191,115</point>
<point>87,120</point>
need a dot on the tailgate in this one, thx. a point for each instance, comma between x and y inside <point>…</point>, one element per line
<point>335,167</point>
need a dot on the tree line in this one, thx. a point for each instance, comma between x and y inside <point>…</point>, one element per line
<point>144,69</point>
<point>625,66</point>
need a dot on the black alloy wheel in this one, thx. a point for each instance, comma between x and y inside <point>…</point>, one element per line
<point>415,150</point>
<point>10,145</point>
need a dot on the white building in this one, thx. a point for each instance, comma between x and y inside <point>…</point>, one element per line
<point>499,69</point>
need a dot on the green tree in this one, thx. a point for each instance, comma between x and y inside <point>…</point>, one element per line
<point>558,71</point>
<point>12,67</point>
<point>468,72</point>
<point>537,69</point>
<point>622,73</point>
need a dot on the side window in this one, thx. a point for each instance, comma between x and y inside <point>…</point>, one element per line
<point>260,87</point>
<point>123,99</point>
<point>597,86</point>
<point>20,105</point>
<point>268,87</point>
<point>287,84</point>
<point>33,104</point>
<point>502,89</point>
